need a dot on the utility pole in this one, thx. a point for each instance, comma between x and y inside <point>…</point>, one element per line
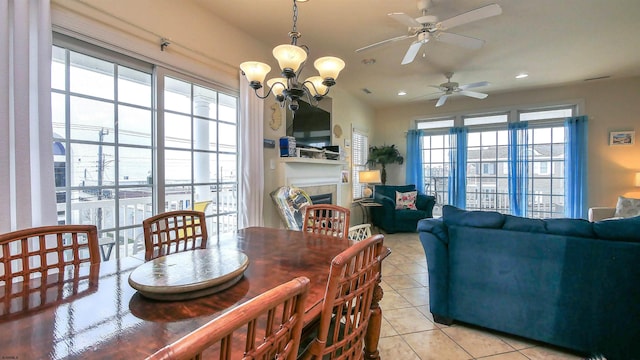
<point>101,164</point>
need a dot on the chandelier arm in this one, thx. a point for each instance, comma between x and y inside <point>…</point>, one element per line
<point>316,89</point>
<point>262,97</point>
<point>311,99</point>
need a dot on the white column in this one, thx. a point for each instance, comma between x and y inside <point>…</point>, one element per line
<point>201,163</point>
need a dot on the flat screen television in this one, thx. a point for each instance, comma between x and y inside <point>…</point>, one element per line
<point>310,125</point>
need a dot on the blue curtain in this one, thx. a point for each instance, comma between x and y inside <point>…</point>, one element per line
<point>575,167</point>
<point>518,168</point>
<point>415,172</point>
<point>458,167</point>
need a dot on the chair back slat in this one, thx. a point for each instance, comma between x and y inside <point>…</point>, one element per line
<point>266,327</point>
<point>174,231</point>
<point>327,220</point>
<point>46,250</point>
<point>346,308</point>
<point>359,232</point>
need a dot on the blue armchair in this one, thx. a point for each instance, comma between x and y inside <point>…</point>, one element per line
<point>392,220</point>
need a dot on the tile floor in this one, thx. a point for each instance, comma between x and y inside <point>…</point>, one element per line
<point>409,333</point>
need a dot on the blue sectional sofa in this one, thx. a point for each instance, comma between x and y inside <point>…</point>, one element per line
<point>393,220</point>
<point>566,282</point>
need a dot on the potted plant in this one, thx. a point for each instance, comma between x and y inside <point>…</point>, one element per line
<point>383,155</point>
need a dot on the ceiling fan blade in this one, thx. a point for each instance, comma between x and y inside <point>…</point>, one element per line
<point>469,16</point>
<point>411,52</point>
<point>473,85</point>
<point>473,94</point>
<point>442,100</point>
<point>383,42</point>
<point>405,19</point>
<point>460,40</point>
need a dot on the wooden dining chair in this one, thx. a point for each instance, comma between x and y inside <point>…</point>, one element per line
<point>41,251</point>
<point>174,231</point>
<point>327,220</point>
<point>359,232</point>
<point>346,307</point>
<point>266,327</point>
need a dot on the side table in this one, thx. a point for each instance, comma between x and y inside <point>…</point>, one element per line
<point>366,204</point>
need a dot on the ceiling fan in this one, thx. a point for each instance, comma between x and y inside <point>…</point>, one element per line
<point>427,27</point>
<point>451,88</point>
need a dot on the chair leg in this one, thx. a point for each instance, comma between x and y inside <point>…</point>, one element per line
<point>372,337</point>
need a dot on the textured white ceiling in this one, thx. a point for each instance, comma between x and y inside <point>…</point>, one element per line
<point>555,42</point>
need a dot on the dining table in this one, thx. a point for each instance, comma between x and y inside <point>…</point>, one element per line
<point>92,311</point>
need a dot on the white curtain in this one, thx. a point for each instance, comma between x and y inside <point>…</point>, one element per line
<point>27,193</point>
<point>251,192</point>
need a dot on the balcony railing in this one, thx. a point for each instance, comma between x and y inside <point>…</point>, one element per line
<point>221,218</point>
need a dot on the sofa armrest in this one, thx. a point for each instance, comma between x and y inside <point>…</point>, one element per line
<point>387,202</point>
<point>437,253</point>
<point>600,213</point>
<point>435,227</point>
<point>426,203</point>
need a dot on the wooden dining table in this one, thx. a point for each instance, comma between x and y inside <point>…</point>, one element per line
<point>92,312</point>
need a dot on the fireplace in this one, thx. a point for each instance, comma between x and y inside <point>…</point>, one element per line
<point>314,176</point>
<point>322,199</point>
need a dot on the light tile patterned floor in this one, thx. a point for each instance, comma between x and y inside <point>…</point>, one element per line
<point>409,333</point>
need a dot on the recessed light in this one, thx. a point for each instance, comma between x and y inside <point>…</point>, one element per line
<point>522,76</point>
<point>402,93</point>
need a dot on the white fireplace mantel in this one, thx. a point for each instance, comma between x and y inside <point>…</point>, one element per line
<point>305,172</point>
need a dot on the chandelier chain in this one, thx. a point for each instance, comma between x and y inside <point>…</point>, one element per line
<point>295,17</point>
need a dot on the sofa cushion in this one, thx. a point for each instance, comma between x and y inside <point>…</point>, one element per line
<point>485,219</point>
<point>406,200</point>
<point>517,223</point>
<point>570,227</point>
<point>618,229</point>
<point>627,207</point>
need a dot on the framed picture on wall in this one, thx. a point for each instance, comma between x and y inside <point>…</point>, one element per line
<point>622,138</point>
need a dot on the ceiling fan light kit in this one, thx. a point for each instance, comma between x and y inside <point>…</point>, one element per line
<point>291,60</point>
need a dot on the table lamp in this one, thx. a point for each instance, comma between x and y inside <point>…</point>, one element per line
<point>369,177</point>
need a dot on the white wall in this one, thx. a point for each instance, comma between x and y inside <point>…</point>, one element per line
<point>611,105</point>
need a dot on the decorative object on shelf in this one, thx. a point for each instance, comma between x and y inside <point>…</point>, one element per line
<point>369,177</point>
<point>291,59</point>
<point>337,131</point>
<point>384,155</point>
<point>276,117</point>
<point>622,138</point>
<point>288,146</point>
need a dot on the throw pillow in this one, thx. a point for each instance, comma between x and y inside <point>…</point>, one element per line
<point>627,207</point>
<point>406,200</point>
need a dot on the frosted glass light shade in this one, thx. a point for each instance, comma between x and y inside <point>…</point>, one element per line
<point>277,85</point>
<point>329,66</point>
<point>289,56</point>
<point>317,82</point>
<point>255,70</point>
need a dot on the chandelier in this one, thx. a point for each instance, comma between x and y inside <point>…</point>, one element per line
<point>291,59</point>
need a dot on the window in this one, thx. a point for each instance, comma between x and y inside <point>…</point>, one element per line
<point>435,157</point>
<point>487,187</point>
<point>200,152</point>
<point>359,156</point>
<point>487,160</point>
<point>107,144</point>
